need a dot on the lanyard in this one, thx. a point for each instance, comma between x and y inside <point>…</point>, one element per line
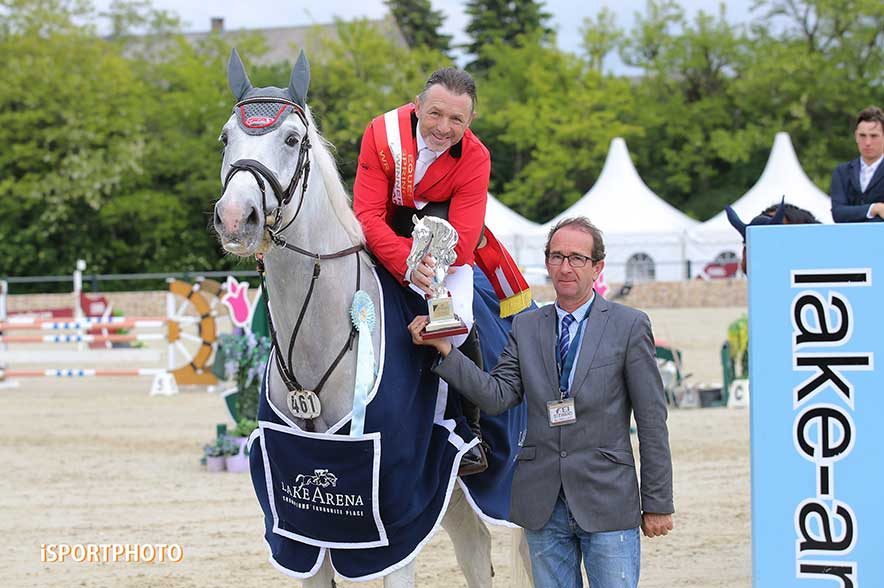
<point>565,370</point>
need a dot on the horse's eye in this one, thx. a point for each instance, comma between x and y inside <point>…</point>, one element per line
<point>291,140</point>
<point>223,138</point>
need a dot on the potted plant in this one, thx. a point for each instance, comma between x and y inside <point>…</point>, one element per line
<point>215,454</point>
<point>240,434</point>
<point>239,438</point>
<point>242,357</point>
<point>236,459</point>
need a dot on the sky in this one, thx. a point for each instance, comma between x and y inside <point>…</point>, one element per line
<point>567,15</point>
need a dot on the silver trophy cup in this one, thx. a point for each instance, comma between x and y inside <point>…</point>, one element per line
<point>436,236</point>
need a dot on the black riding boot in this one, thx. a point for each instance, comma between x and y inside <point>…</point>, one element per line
<point>474,460</point>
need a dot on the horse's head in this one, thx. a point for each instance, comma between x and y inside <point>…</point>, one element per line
<point>266,157</point>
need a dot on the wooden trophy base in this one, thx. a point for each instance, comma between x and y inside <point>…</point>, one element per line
<point>443,321</point>
<point>444,332</point>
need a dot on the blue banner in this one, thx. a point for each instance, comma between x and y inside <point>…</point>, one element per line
<point>815,328</point>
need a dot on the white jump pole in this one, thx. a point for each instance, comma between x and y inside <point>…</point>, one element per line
<point>81,373</point>
<point>121,322</point>
<point>82,338</point>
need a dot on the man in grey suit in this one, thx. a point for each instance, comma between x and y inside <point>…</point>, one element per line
<point>583,365</point>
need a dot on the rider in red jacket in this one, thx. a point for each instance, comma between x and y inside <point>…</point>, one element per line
<point>458,176</point>
<point>422,159</point>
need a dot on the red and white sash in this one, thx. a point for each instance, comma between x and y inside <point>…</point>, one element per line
<point>396,149</point>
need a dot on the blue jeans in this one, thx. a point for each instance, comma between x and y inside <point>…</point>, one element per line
<point>612,559</point>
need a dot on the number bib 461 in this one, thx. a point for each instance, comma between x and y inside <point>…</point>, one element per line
<point>304,404</point>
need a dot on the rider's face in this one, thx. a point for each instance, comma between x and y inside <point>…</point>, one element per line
<point>443,117</point>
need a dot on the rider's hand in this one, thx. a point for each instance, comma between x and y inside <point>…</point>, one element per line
<point>442,345</point>
<point>422,275</point>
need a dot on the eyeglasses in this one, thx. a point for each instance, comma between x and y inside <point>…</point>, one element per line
<point>575,259</point>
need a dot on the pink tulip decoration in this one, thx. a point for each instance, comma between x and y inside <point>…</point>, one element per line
<point>601,286</point>
<point>236,300</point>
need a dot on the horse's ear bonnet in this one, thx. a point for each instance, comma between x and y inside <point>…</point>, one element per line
<point>237,78</point>
<point>263,109</point>
<point>761,219</point>
<point>300,81</point>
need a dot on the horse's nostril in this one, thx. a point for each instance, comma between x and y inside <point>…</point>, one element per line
<point>253,217</point>
<point>218,222</point>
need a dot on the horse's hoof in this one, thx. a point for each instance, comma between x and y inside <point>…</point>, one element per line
<point>473,461</point>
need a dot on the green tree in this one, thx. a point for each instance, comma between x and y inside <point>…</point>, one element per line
<point>600,37</point>
<point>713,95</point>
<point>686,107</point>
<point>71,123</point>
<point>505,21</point>
<point>128,18</point>
<point>188,104</point>
<point>112,142</point>
<point>357,75</point>
<point>420,24</point>
<point>547,119</point>
<point>182,159</point>
<point>814,64</point>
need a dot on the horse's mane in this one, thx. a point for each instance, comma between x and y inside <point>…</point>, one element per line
<point>331,177</point>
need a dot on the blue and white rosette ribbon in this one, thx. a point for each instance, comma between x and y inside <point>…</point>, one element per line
<point>364,318</point>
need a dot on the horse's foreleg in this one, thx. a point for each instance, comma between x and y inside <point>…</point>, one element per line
<point>401,578</point>
<point>324,578</point>
<point>471,539</point>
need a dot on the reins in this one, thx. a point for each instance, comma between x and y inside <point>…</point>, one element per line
<point>285,371</point>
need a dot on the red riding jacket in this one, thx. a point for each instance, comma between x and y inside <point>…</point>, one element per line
<point>460,175</point>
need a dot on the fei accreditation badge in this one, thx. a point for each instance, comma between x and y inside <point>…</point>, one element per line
<point>561,412</point>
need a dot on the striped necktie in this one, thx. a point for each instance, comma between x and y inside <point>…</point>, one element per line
<point>565,338</point>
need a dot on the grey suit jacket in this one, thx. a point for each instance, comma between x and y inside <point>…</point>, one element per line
<point>591,459</point>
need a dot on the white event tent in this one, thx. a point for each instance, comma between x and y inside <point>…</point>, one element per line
<point>716,241</point>
<point>644,236</point>
<point>520,235</point>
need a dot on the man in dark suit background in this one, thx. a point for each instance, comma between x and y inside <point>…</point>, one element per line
<point>583,365</point>
<point>857,188</point>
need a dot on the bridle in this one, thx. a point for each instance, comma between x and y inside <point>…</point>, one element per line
<point>264,176</point>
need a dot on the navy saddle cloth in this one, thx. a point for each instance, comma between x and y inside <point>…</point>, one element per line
<point>372,501</point>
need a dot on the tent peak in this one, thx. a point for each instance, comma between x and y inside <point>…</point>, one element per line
<point>782,160</point>
<point>621,202</point>
<point>618,165</point>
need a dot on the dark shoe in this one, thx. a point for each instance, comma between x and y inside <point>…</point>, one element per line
<point>476,459</point>
<point>473,461</point>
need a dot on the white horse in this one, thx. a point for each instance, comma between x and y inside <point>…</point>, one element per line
<point>299,228</point>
